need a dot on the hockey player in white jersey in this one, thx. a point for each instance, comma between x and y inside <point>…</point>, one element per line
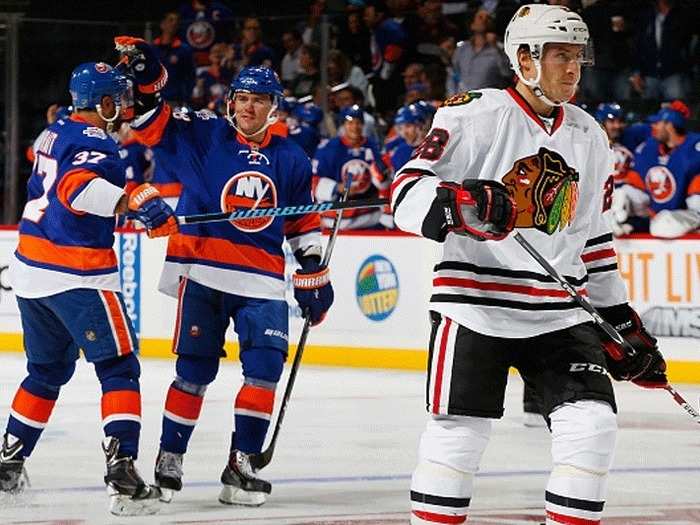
<point>521,158</point>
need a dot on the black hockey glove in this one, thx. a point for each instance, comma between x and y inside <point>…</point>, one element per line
<point>646,368</point>
<point>480,209</point>
<point>140,61</point>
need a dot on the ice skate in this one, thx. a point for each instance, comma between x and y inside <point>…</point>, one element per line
<point>128,494</point>
<point>241,487</point>
<point>13,477</point>
<point>168,474</point>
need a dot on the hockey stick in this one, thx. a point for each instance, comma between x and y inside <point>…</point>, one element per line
<point>263,458</point>
<point>261,213</point>
<point>609,329</point>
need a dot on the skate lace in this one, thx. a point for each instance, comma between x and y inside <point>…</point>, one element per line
<point>242,463</point>
<point>170,465</point>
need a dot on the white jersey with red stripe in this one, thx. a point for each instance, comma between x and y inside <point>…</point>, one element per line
<point>221,171</point>
<point>560,176</point>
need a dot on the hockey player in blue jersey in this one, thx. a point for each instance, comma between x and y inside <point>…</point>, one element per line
<point>306,132</point>
<point>352,159</point>
<point>610,116</point>
<point>410,124</point>
<point>64,274</point>
<point>663,184</point>
<point>230,270</point>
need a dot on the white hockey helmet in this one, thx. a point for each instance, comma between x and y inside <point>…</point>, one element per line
<point>538,24</point>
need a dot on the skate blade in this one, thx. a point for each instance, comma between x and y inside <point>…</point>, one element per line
<point>166,495</point>
<point>124,505</point>
<point>231,495</point>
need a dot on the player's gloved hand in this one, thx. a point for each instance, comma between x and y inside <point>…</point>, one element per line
<point>147,206</point>
<point>313,290</point>
<point>621,210</point>
<point>480,209</point>
<point>646,368</point>
<point>149,74</point>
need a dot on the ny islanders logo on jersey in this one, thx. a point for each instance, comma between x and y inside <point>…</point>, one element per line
<point>360,172</point>
<point>661,184</point>
<point>249,190</point>
<point>200,34</point>
<point>545,190</point>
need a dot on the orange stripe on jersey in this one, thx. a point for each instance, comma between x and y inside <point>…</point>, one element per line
<point>76,257</point>
<point>31,406</point>
<point>118,321</point>
<point>182,404</point>
<point>256,398</point>
<point>151,134</point>
<point>121,402</point>
<point>279,128</point>
<point>694,186</point>
<point>635,179</point>
<point>223,251</point>
<point>70,182</point>
<point>266,140</point>
<point>304,224</point>
<point>168,189</point>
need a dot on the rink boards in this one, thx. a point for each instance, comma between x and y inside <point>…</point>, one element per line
<point>382,285</point>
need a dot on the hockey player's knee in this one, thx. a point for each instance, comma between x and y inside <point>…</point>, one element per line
<point>265,364</point>
<point>455,441</point>
<point>583,437</point>
<point>118,371</point>
<point>196,370</point>
<point>51,375</point>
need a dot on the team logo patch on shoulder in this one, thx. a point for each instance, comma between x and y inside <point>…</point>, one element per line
<point>462,98</point>
<point>95,133</point>
<point>545,190</point>
<point>249,190</point>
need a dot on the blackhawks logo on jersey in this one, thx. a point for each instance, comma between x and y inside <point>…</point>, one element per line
<point>462,98</point>
<point>249,190</point>
<point>545,190</point>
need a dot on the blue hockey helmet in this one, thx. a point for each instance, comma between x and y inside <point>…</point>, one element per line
<point>63,112</point>
<point>287,104</point>
<point>91,81</point>
<point>257,79</point>
<point>352,112</point>
<point>427,108</point>
<point>309,114</point>
<point>608,110</point>
<point>410,114</point>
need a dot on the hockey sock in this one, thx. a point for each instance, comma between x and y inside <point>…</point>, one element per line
<point>31,409</point>
<point>252,412</point>
<point>183,403</point>
<point>121,401</point>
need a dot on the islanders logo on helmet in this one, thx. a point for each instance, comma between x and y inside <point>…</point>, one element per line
<point>545,190</point>
<point>661,184</point>
<point>91,81</point>
<point>249,190</point>
<point>257,79</point>
<point>377,288</point>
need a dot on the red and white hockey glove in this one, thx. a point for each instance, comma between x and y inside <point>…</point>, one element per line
<point>147,206</point>
<point>646,368</point>
<point>480,209</point>
<point>150,75</point>
<point>313,290</point>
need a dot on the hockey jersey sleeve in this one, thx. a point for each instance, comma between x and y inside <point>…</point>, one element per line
<point>303,232</point>
<point>444,155</point>
<point>605,285</point>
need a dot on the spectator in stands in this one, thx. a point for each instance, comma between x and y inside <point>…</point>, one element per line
<point>611,25</point>
<point>250,50</point>
<point>664,182</point>
<point>662,51</point>
<point>205,23</point>
<point>309,75</point>
<point>434,26</point>
<point>212,82</point>
<point>353,38</point>
<point>176,56</point>
<point>501,12</point>
<point>415,83</point>
<point>341,70</point>
<point>480,62</point>
<point>289,69</point>
<point>448,46</point>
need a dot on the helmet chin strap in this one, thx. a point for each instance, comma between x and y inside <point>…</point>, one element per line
<point>271,119</point>
<point>535,85</point>
<point>110,121</point>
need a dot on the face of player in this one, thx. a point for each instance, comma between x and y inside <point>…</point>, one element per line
<point>660,131</point>
<point>613,127</point>
<point>353,130</point>
<point>561,70</point>
<point>251,111</point>
<point>411,133</point>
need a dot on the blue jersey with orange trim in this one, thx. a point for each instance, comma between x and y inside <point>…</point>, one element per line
<point>61,248</point>
<point>401,155</point>
<point>221,171</point>
<point>669,177</point>
<point>308,137</point>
